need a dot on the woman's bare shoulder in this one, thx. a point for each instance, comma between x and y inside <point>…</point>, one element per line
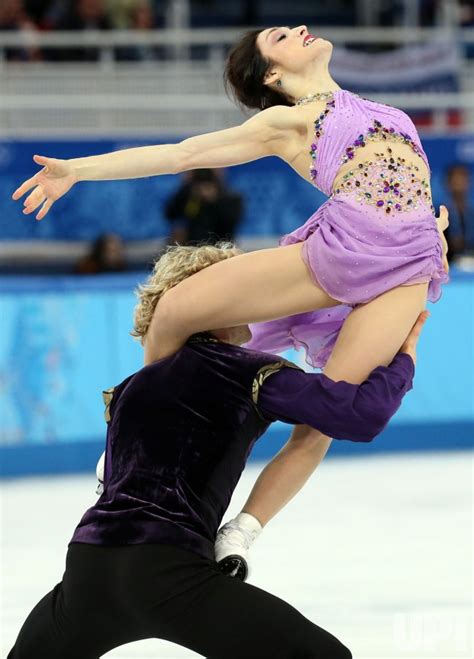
<point>283,117</point>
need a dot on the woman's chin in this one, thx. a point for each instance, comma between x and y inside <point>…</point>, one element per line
<point>322,46</point>
<point>319,51</point>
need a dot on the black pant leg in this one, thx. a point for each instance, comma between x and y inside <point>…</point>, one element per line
<point>223,618</point>
<point>81,617</point>
<point>111,596</point>
<point>40,634</point>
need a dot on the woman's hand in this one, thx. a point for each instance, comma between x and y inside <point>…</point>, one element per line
<point>443,222</point>
<point>409,347</point>
<point>49,184</point>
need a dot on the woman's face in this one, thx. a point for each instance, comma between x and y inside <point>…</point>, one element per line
<point>292,49</point>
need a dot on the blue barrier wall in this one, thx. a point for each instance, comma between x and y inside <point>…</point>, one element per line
<point>276,199</point>
<point>64,339</point>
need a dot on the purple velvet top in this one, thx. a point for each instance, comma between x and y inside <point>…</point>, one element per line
<point>180,431</point>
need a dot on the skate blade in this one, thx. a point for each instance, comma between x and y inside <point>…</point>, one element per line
<point>234,566</point>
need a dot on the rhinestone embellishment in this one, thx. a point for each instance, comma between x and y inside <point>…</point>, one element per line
<point>318,131</point>
<point>378,133</point>
<point>390,184</point>
<point>321,96</point>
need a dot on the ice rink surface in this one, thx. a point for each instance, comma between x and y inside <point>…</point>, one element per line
<point>378,550</point>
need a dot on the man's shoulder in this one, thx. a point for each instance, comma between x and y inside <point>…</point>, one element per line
<point>213,345</point>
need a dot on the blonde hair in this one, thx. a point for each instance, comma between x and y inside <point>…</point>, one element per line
<point>175,264</point>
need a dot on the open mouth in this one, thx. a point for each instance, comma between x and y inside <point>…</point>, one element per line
<point>309,39</point>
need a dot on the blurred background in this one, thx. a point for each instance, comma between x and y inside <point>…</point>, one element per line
<point>82,77</point>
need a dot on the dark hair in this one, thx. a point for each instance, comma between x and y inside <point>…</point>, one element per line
<point>244,72</point>
<point>97,253</point>
<point>203,176</point>
<point>198,176</point>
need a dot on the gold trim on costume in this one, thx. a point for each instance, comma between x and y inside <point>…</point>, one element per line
<point>267,370</point>
<point>107,395</point>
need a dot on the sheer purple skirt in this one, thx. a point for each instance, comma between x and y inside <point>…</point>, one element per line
<point>355,252</point>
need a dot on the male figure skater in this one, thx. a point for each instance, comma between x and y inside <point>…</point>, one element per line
<point>140,563</point>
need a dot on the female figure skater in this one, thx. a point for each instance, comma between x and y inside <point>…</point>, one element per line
<point>141,563</point>
<point>350,282</point>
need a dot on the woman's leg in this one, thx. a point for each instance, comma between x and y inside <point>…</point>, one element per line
<point>371,336</point>
<point>253,287</point>
<point>373,333</point>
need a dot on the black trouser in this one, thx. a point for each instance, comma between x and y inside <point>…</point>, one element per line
<point>110,596</point>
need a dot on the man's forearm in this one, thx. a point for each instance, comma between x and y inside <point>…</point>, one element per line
<point>286,474</point>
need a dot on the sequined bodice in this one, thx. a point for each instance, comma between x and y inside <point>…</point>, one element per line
<point>346,125</point>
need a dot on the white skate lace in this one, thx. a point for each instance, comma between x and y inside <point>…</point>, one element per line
<point>234,537</point>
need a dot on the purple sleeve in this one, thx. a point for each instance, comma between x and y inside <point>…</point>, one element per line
<point>338,409</point>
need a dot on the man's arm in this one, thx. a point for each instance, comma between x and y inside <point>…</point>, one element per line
<point>352,411</point>
<point>328,408</point>
<point>343,407</point>
<point>289,470</point>
<point>358,412</point>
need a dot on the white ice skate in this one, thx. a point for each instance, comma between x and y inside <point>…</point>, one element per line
<point>233,542</point>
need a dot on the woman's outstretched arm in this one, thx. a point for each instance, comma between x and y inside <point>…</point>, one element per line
<point>267,133</point>
<point>254,139</point>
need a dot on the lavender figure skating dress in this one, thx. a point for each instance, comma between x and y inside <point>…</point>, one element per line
<point>376,231</point>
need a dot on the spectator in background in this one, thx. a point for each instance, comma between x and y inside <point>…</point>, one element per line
<point>107,255</point>
<point>203,209</point>
<point>466,19</point>
<point>53,15</point>
<point>120,12</point>
<point>37,9</point>
<point>141,17</point>
<point>250,12</point>
<point>460,234</point>
<point>429,10</point>
<point>82,15</point>
<point>14,17</point>
<point>466,8</point>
